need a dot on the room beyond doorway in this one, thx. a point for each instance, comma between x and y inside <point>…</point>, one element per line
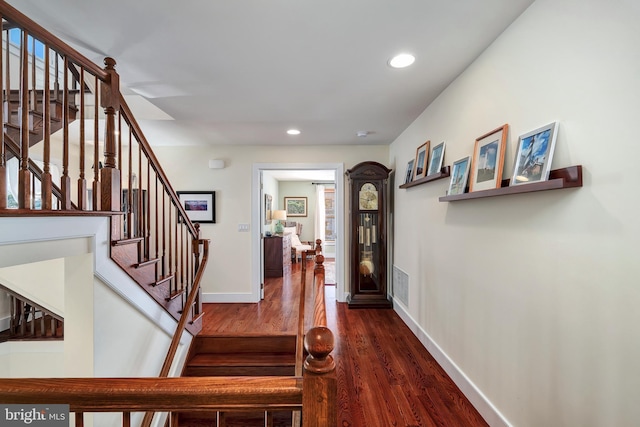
<point>264,176</point>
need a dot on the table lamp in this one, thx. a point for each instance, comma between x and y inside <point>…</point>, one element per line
<point>280,216</point>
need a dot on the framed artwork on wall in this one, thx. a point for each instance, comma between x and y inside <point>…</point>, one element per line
<point>534,154</point>
<point>295,206</point>
<point>200,206</point>
<point>268,206</point>
<point>488,160</point>
<point>422,155</point>
<point>409,173</point>
<point>459,176</point>
<point>436,159</point>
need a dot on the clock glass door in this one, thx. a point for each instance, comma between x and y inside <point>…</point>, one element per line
<point>369,252</point>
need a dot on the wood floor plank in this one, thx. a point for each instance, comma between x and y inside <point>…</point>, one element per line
<point>385,375</point>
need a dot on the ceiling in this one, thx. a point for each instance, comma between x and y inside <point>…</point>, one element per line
<point>245,71</point>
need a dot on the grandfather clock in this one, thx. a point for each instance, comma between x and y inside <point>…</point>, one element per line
<point>368,231</point>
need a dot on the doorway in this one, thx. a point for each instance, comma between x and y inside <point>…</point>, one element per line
<point>257,219</point>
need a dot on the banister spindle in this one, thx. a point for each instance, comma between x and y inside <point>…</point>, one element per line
<point>96,150</point>
<point>130,209</point>
<point>140,213</point>
<point>65,180</point>
<point>4,90</point>
<point>33,94</point>
<point>46,188</point>
<point>82,182</point>
<point>24,176</point>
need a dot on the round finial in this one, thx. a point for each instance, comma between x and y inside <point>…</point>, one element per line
<point>319,343</point>
<point>110,63</point>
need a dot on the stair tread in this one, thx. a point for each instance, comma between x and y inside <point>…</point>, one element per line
<point>242,359</point>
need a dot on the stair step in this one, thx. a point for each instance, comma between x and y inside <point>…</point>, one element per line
<point>244,344</point>
<point>241,364</point>
<point>175,294</point>
<point>162,280</point>
<point>123,242</point>
<point>147,262</point>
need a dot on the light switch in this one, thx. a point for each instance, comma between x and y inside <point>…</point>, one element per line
<point>243,227</point>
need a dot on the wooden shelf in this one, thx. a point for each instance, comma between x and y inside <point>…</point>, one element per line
<point>570,177</point>
<point>444,172</point>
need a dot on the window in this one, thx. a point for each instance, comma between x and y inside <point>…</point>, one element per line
<point>329,215</point>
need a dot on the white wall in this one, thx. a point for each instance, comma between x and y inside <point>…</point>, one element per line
<point>112,327</point>
<point>533,297</point>
<point>302,189</point>
<point>228,273</point>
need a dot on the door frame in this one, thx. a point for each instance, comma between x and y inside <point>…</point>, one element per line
<point>257,206</point>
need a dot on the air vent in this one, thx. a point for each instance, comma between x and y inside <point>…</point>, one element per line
<point>400,286</point>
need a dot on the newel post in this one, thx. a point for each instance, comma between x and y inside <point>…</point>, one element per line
<point>319,386</point>
<point>110,174</point>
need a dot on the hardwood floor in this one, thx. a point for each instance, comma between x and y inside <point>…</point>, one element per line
<point>385,375</point>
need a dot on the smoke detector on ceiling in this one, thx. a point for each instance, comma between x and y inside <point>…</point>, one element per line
<point>362,133</point>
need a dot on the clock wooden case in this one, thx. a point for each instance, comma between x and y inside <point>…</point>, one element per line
<point>368,236</point>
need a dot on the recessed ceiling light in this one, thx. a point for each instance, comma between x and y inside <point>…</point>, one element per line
<point>293,132</point>
<point>402,60</point>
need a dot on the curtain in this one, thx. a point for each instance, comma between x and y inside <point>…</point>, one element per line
<point>320,217</point>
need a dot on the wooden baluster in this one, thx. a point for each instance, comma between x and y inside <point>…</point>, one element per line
<point>170,247</point>
<point>147,214</point>
<point>164,272</point>
<point>82,182</point>
<point>24,176</point>
<point>96,150</point>
<point>176,256</point>
<point>109,174</point>
<point>65,180</point>
<point>4,90</point>
<point>268,419</point>
<point>46,181</point>
<point>79,419</point>
<point>130,189</point>
<point>126,419</point>
<point>13,324</point>
<point>139,212</point>
<point>33,101</point>
<point>157,230</point>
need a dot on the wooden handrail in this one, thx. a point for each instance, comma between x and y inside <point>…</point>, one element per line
<point>13,15</point>
<point>156,394</point>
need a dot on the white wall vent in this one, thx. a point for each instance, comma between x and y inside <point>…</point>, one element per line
<point>400,286</point>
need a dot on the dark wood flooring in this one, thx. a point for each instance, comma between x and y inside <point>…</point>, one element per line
<point>385,376</point>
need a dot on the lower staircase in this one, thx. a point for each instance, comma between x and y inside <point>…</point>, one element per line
<point>239,356</point>
<point>30,321</point>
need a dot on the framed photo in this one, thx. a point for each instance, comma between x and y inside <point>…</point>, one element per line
<point>488,160</point>
<point>268,206</point>
<point>199,205</point>
<point>422,153</point>
<point>436,158</point>
<point>295,206</point>
<point>534,154</point>
<point>409,174</point>
<point>459,176</point>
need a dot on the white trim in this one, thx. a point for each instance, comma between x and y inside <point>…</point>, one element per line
<point>479,401</point>
<point>257,168</point>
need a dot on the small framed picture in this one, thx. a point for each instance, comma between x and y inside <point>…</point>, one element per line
<point>436,158</point>
<point>422,154</point>
<point>459,176</point>
<point>488,160</point>
<point>534,154</point>
<point>295,206</point>
<point>200,206</point>
<point>409,174</point>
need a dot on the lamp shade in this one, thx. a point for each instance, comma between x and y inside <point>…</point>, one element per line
<point>280,215</point>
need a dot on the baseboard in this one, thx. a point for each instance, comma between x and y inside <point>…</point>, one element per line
<point>479,401</point>
<point>230,298</point>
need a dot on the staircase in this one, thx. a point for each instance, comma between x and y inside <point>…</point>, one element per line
<point>30,321</point>
<point>238,356</point>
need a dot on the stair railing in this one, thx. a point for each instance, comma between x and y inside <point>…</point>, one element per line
<point>30,320</point>
<point>71,145</point>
